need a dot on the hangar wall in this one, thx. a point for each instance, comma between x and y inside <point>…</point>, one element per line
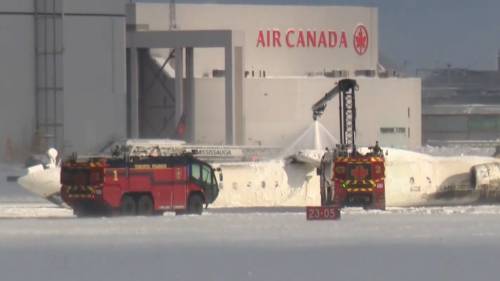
<point>278,110</point>
<point>282,57</point>
<point>16,77</point>
<point>94,88</point>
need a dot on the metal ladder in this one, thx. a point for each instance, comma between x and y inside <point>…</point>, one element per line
<point>349,118</point>
<point>347,112</point>
<point>49,50</point>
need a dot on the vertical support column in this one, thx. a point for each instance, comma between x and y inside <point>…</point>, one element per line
<point>179,73</point>
<point>234,94</point>
<point>238,77</point>
<point>190,97</point>
<point>134,93</point>
<point>230,94</point>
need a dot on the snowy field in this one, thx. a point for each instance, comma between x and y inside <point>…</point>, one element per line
<point>41,242</point>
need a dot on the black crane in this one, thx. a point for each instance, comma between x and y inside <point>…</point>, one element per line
<point>345,89</point>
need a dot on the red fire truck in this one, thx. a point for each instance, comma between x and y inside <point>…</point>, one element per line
<point>137,185</point>
<point>348,177</point>
<point>359,181</point>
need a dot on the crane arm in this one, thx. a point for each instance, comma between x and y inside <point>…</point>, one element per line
<point>319,107</point>
<point>342,86</point>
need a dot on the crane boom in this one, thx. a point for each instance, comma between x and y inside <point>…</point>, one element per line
<point>319,107</point>
<point>342,86</point>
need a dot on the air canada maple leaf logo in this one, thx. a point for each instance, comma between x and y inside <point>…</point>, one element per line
<point>359,173</point>
<point>361,40</point>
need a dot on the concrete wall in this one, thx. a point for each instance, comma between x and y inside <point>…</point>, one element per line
<point>94,75</point>
<point>277,111</point>
<point>16,6</point>
<point>275,60</point>
<point>16,79</point>
<point>107,7</point>
<point>95,87</point>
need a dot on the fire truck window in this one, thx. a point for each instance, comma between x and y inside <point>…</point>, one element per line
<point>195,171</point>
<point>207,175</point>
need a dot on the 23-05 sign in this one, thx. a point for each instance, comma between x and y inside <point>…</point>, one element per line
<point>322,213</point>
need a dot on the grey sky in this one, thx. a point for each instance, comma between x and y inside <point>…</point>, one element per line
<point>425,33</point>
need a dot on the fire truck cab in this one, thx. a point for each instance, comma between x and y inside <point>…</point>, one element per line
<point>138,185</point>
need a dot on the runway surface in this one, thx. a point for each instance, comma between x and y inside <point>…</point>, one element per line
<point>40,241</point>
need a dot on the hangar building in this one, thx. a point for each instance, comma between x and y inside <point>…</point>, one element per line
<point>78,75</point>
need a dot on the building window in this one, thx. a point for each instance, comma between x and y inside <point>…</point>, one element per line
<point>408,112</point>
<point>483,123</point>
<point>393,130</point>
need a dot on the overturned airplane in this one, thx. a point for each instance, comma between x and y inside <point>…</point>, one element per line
<point>412,179</point>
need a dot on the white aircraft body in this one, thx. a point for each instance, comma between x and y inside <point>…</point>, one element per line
<point>412,179</point>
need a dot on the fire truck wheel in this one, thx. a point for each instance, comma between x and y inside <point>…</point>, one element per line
<point>80,212</point>
<point>195,204</point>
<point>381,205</point>
<point>128,206</point>
<point>145,206</point>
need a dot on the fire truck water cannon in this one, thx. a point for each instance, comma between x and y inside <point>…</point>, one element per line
<point>347,177</point>
<point>342,86</point>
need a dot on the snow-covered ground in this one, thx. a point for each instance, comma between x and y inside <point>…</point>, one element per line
<point>451,243</point>
<point>40,241</point>
<point>32,210</point>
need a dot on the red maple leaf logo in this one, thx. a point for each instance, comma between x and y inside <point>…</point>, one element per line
<point>359,173</point>
<point>361,40</point>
